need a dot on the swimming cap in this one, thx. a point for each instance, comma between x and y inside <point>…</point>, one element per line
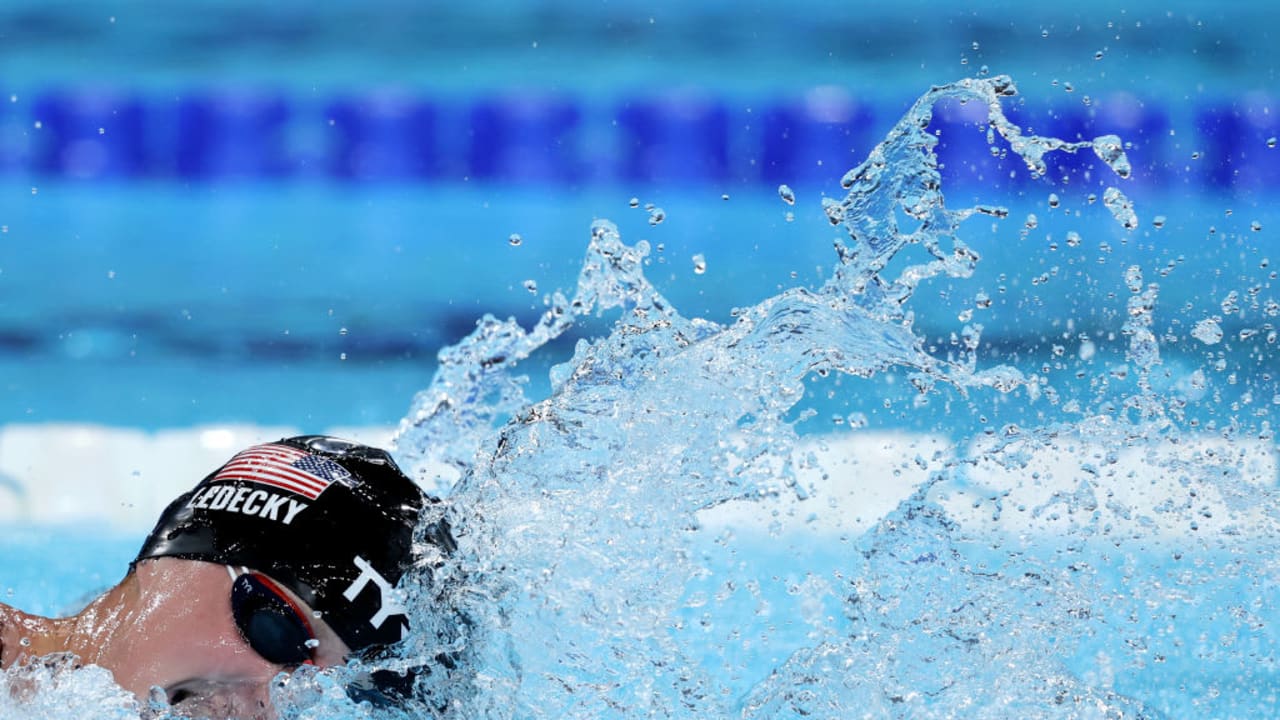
<point>330,519</point>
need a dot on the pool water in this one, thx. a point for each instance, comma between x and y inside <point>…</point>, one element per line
<point>772,440</point>
<point>55,569</point>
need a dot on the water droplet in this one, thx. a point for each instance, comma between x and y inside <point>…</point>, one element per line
<point>699,264</point>
<point>1255,226</point>
<point>787,194</point>
<point>1068,87</point>
<point>1207,331</point>
<point>1121,208</point>
<point>1111,151</point>
<point>1091,199</point>
<point>975,45</point>
<point>1158,221</point>
<point>35,191</point>
<point>515,239</point>
<point>1087,350</point>
<point>1032,222</point>
<point>657,215</point>
<point>312,643</point>
<point>1053,200</point>
<point>38,124</point>
<point>1044,33</point>
<point>1271,142</point>
<point>635,202</point>
<point>724,196</point>
<point>1195,155</point>
<point>342,356</point>
<point>1198,380</point>
<point>789,217</point>
<point>111,274</point>
<point>982,300</point>
<point>1133,278</point>
<point>1097,55</point>
<point>25,642</point>
<point>342,331</point>
<point>531,286</point>
<point>1231,303</point>
<point>102,131</point>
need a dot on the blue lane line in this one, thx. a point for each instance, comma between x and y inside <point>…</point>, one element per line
<point>532,138</point>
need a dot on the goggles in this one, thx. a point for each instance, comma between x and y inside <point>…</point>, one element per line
<point>277,629</point>
<point>270,622</point>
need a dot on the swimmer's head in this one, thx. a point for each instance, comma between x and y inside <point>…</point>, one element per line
<point>331,520</point>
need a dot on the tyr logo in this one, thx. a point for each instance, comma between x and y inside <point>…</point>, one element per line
<point>388,604</point>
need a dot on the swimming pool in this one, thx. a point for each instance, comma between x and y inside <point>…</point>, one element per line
<point>286,243</point>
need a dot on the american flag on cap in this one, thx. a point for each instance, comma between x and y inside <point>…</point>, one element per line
<point>285,467</point>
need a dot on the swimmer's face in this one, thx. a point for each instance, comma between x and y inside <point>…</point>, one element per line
<point>182,637</point>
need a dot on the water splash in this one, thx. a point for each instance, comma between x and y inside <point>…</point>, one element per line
<point>474,387</point>
<point>787,194</point>
<point>1207,331</point>
<point>56,687</point>
<point>655,539</point>
<point>1121,208</point>
<point>935,636</point>
<point>578,521</point>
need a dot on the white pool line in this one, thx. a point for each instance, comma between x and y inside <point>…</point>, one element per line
<point>122,477</point>
<point>119,477</point>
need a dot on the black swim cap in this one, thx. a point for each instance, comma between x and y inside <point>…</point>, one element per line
<point>330,519</point>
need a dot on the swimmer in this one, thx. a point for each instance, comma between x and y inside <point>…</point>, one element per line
<point>285,556</point>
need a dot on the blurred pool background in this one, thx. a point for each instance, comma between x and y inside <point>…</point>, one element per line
<point>229,221</point>
<point>233,213</point>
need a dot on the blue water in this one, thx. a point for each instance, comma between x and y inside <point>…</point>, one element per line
<point>75,563</point>
<point>588,590</point>
<point>1088,532</point>
<point>355,168</point>
<point>192,327</point>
